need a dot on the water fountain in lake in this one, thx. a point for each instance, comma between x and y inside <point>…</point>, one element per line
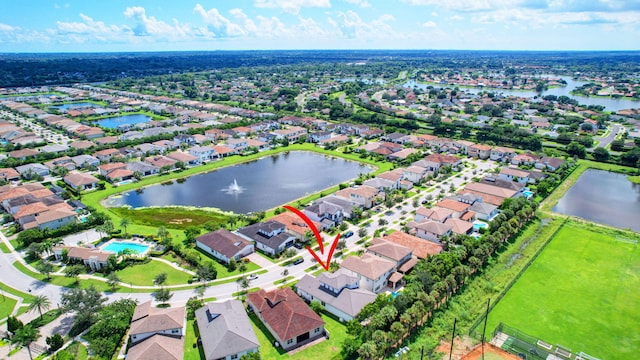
<point>234,188</point>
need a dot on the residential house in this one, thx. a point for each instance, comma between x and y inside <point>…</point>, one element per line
<point>381,184</point>
<point>51,219</point>
<point>501,153</point>
<point>187,140</point>
<point>339,293</point>
<point>484,211</point>
<point>514,174</point>
<point>85,161</point>
<point>458,208</point>
<point>293,224</point>
<point>23,154</point>
<point>225,331</point>
<point>203,153</point>
<point>93,258</point>
<point>270,236</point>
<point>63,162</point>
<point>372,271</point>
<point>491,194</point>
<point>28,171</point>
<point>401,255</point>
<point>421,248</point>
<point>161,161</point>
<point>325,213</point>
<point>105,169</point>
<point>9,174</point>
<point>224,245</point>
<point>459,226</point>
<point>186,159</point>
<point>526,159</point>
<point>415,174</point>
<point>157,333</point>
<point>434,162</point>
<point>81,181</point>
<point>287,317</point>
<point>318,136</point>
<point>364,195</point>
<point>435,213</point>
<point>142,168</point>
<point>119,175</point>
<point>430,230</point>
<point>479,151</point>
<point>549,163</point>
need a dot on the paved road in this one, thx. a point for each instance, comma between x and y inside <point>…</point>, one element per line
<point>609,138</point>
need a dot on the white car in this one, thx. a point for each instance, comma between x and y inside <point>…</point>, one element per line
<point>253,277</point>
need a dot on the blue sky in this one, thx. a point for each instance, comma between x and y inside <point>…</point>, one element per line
<point>123,25</point>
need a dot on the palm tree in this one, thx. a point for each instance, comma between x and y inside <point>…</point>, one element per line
<point>40,302</point>
<point>124,223</point>
<point>25,336</point>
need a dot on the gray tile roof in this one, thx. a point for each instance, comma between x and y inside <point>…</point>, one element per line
<point>225,329</point>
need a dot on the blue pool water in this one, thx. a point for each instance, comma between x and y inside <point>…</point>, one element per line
<point>478,224</point>
<point>112,123</point>
<point>118,247</point>
<point>527,193</point>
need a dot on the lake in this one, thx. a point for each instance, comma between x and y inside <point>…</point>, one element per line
<point>75,105</point>
<point>610,104</point>
<point>603,197</point>
<point>114,122</point>
<point>261,184</point>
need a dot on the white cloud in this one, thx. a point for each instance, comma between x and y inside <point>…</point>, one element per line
<point>7,28</point>
<point>351,26</point>
<point>150,26</point>
<point>291,6</point>
<point>361,3</point>
<point>429,24</point>
<point>434,14</point>
<point>456,18</point>
<point>221,25</point>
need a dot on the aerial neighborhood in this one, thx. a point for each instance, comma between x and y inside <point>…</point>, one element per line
<point>437,182</point>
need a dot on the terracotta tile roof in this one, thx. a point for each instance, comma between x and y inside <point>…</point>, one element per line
<point>490,190</point>
<point>388,249</point>
<point>119,173</point>
<point>41,193</point>
<point>158,347</point>
<point>112,166</point>
<point>369,266</point>
<point>459,226</point>
<point>76,252</point>
<point>31,209</point>
<point>453,205</point>
<point>80,179</point>
<point>421,248</point>
<point>293,223</point>
<point>285,313</point>
<point>147,319</point>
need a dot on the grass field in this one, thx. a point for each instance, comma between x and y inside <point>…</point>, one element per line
<point>581,292</point>
<point>144,274</point>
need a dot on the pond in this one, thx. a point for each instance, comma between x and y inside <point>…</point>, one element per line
<point>75,105</point>
<point>250,187</point>
<point>114,122</point>
<point>610,104</point>
<point>603,197</point>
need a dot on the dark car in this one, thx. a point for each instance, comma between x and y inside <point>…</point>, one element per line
<point>298,261</point>
<point>348,234</point>
<point>297,245</point>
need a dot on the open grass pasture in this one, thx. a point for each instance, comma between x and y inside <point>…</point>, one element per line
<point>581,292</point>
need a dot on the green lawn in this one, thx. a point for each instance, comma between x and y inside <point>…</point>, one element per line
<point>6,306</point>
<point>326,350</point>
<point>581,292</point>
<point>634,179</point>
<point>172,217</point>
<point>192,352</point>
<point>143,274</point>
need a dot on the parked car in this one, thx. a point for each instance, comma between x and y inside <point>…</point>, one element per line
<point>298,261</point>
<point>297,245</point>
<point>253,277</point>
<point>348,234</point>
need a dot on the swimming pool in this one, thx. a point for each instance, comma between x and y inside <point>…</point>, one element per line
<point>527,193</point>
<point>119,246</point>
<point>477,225</point>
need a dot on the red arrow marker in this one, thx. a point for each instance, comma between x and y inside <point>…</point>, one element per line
<point>316,233</point>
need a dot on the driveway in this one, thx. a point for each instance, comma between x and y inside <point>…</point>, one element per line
<point>609,138</point>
